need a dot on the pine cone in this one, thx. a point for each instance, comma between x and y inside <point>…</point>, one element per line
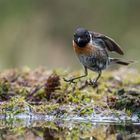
<point>52,84</point>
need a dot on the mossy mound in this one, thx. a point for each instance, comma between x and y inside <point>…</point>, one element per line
<point>44,91</point>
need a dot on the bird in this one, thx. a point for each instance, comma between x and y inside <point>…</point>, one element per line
<point>92,49</point>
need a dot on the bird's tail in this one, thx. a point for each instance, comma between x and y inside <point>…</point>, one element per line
<point>120,61</point>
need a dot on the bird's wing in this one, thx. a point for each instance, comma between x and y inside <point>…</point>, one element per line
<point>108,42</point>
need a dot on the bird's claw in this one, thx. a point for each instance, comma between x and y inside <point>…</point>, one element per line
<point>69,80</point>
<point>93,83</point>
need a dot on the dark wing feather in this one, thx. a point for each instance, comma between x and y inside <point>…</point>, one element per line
<point>110,44</point>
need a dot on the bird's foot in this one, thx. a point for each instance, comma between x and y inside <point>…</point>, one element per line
<point>93,83</point>
<point>69,80</point>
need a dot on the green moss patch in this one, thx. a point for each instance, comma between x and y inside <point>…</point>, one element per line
<point>44,92</point>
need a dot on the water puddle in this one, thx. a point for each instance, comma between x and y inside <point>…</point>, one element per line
<point>44,127</point>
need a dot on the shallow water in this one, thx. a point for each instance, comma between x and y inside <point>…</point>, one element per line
<point>49,128</point>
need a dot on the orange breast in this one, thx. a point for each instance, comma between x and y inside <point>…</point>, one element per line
<point>87,50</point>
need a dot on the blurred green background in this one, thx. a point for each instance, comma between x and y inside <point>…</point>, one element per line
<point>40,32</point>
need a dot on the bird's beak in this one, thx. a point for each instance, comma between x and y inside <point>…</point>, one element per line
<point>79,39</point>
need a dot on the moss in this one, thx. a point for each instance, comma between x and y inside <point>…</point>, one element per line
<point>44,91</point>
<point>127,100</point>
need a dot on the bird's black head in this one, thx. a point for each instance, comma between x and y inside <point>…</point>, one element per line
<point>81,37</point>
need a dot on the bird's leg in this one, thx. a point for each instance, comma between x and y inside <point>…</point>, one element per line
<point>94,82</point>
<point>73,79</point>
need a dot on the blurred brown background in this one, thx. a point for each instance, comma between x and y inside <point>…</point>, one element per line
<point>39,32</point>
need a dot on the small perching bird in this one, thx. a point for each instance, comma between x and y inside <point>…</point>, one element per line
<point>92,50</point>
